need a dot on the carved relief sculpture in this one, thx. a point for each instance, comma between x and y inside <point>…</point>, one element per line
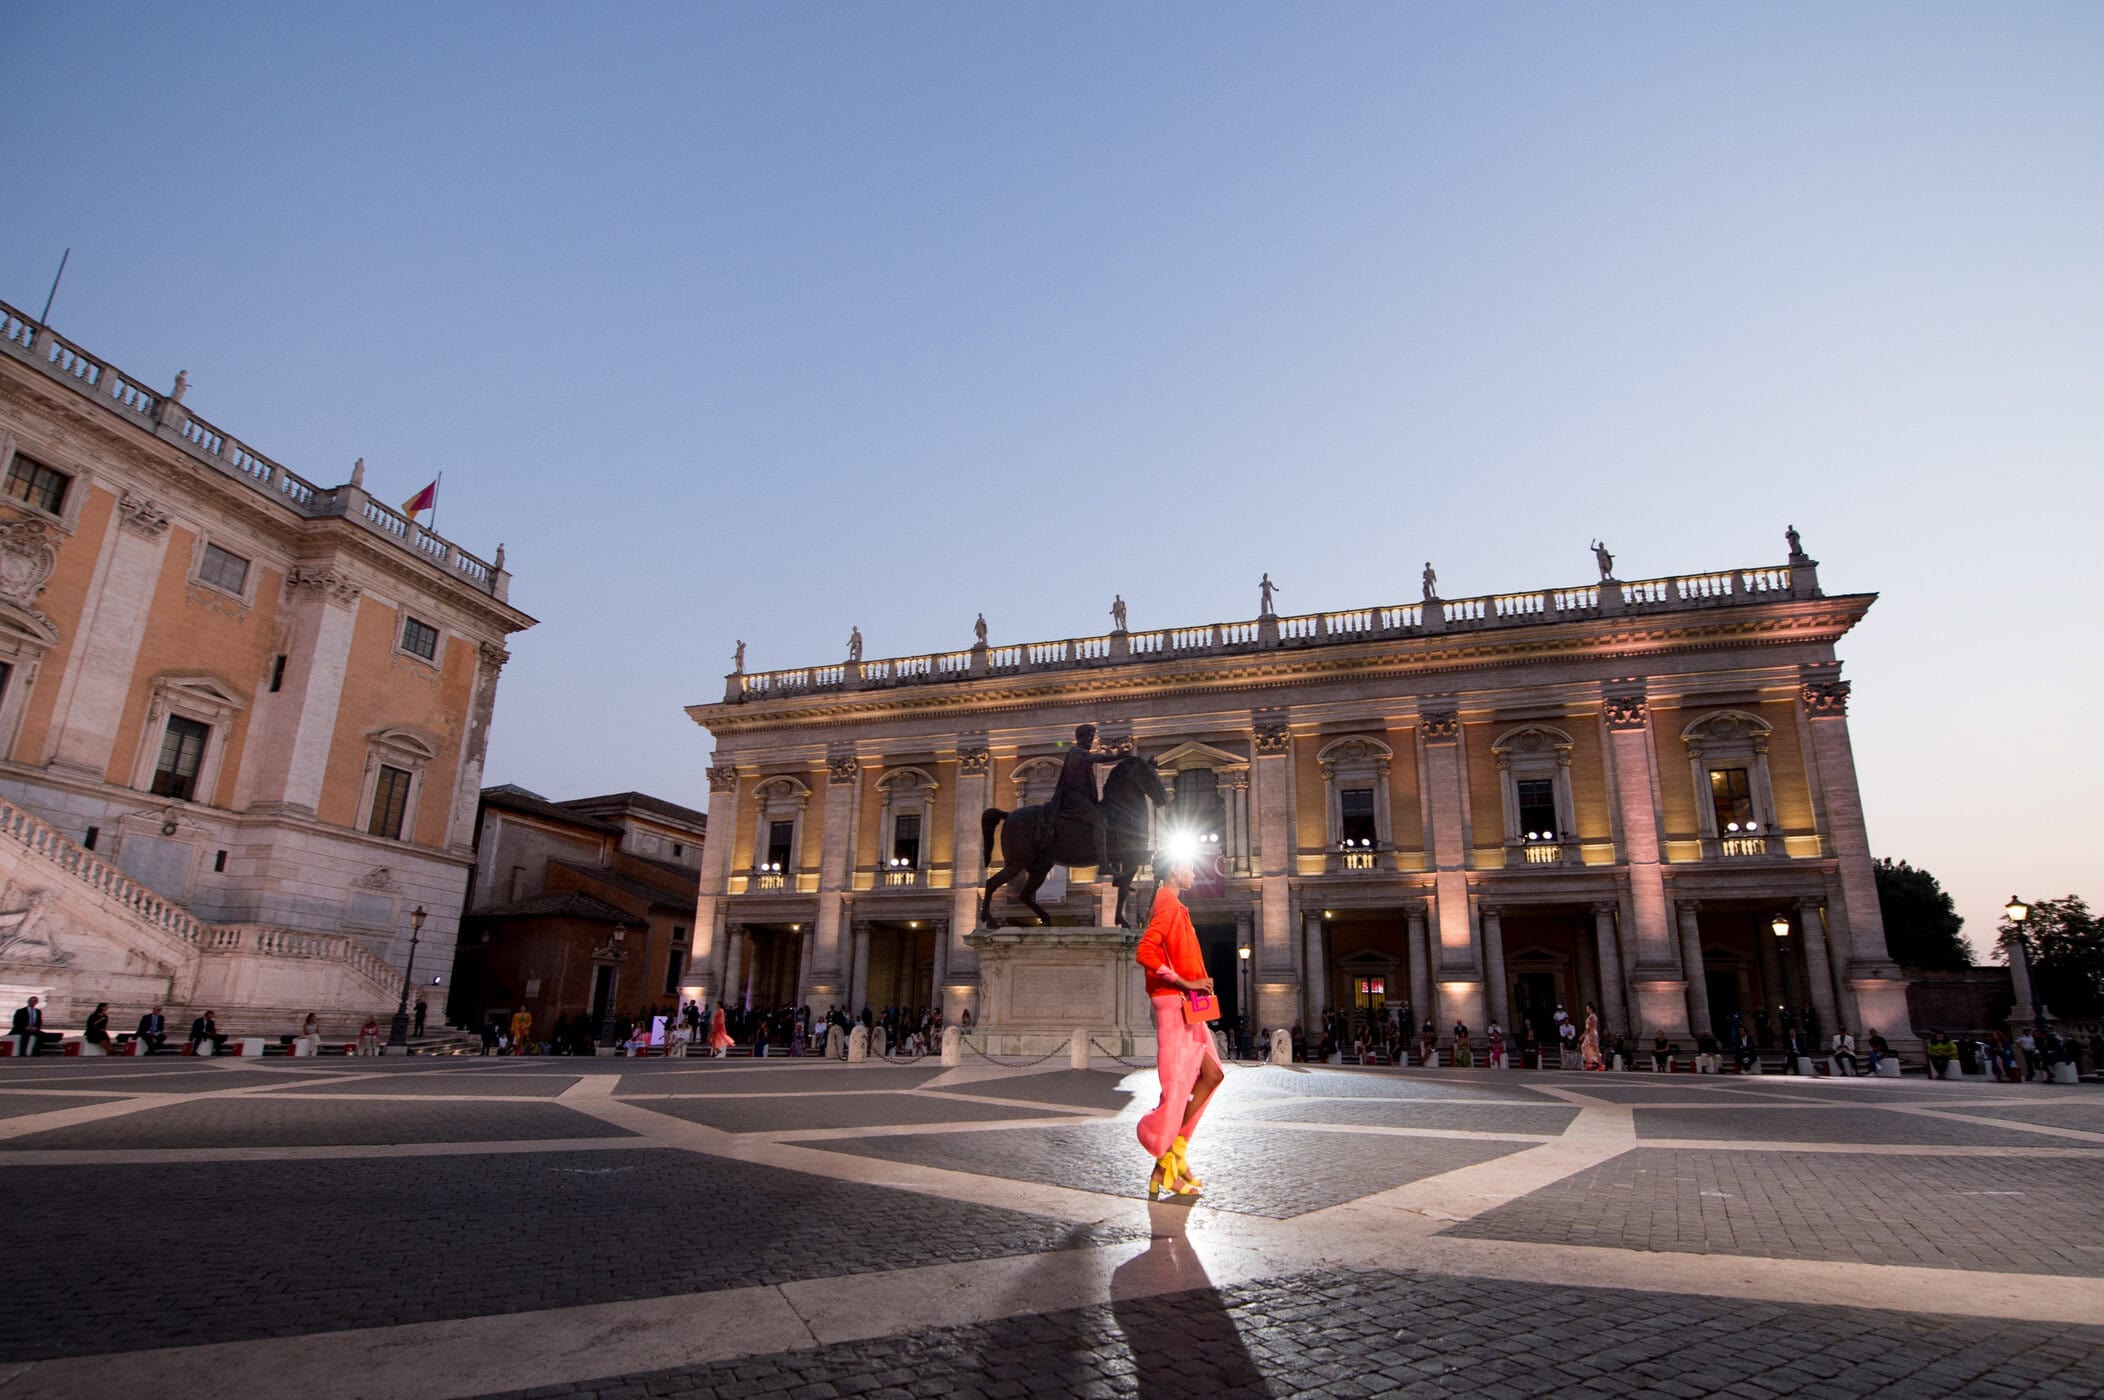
<point>1626,711</point>
<point>1826,697</point>
<point>1441,726</point>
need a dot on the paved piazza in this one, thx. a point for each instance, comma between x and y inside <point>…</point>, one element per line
<point>467,1227</point>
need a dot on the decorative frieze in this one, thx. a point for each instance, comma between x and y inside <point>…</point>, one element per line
<point>142,515</point>
<point>1626,712</point>
<point>1826,697</point>
<point>330,585</point>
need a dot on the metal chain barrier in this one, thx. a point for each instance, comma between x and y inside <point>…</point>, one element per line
<point>1064,1046</point>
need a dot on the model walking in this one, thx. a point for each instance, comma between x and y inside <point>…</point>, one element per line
<point>719,1034</point>
<point>1186,1060</point>
<point>1589,1041</point>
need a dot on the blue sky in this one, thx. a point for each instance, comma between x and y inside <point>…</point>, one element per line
<point>733,321</point>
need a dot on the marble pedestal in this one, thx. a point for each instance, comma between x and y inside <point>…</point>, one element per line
<point>1037,986</point>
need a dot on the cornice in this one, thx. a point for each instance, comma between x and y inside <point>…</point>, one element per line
<point>1816,621</point>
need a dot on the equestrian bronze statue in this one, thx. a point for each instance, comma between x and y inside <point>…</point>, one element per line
<point>1075,827</point>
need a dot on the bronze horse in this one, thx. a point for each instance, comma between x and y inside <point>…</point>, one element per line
<point>1132,784</point>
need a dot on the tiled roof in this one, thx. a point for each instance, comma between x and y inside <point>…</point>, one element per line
<point>518,799</point>
<point>641,889</point>
<point>640,802</point>
<point>569,905</point>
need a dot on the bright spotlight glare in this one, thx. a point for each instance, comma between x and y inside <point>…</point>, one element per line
<point>1180,846</point>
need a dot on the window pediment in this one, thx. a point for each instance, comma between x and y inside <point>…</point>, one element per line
<point>1354,751</point>
<point>1193,754</point>
<point>1543,739</point>
<point>415,743</point>
<point>201,691</point>
<point>906,782</point>
<point>1726,732</point>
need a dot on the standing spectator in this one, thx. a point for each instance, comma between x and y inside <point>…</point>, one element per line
<point>28,1028</point>
<point>1844,1052</point>
<point>1497,1047</point>
<point>153,1031</point>
<point>421,1011</point>
<point>98,1029</point>
<point>1589,1042</point>
<point>1566,1039</point>
<point>369,1036</point>
<point>521,1023</point>
<point>489,1034</point>
<point>310,1034</point>
<point>204,1031</point>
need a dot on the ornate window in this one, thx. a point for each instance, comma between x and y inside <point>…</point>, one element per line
<point>907,823</point>
<point>1355,797</point>
<point>1534,772</point>
<point>779,835</point>
<point>1035,779</point>
<point>419,638</point>
<point>1209,790</point>
<point>183,741</point>
<point>222,569</point>
<point>1734,805</point>
<point>396,761</point>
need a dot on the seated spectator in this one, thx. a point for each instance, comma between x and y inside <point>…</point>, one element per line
<point>1464,1054</point>
<point>97,1033</point>
<point>309,1038</point>
<point>1878,1047</point>
<point>1844,1052</point>
<point>1662,1054</point>
<point>369,1036</point>
<point>28,1031</point>
<point>153,1032</point>
<point>1942,1050</point>
<point>205,1031</point>
<point>1707,1059</point>
<point>1497,1048</point>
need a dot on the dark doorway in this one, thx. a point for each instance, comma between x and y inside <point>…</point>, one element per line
<point>1217,943</point>
<point>602,997</point>
<point>1534,1003</point>
<point>1723,987</point>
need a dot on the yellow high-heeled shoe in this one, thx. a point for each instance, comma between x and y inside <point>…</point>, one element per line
<point>1165,1180</point>
<point>1183,1165</point>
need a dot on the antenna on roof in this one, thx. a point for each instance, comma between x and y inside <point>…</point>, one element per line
<point>45,319</point>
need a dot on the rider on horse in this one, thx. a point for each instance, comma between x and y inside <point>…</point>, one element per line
<point>1074,799</point>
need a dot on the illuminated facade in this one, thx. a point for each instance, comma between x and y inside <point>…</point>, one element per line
<point>1484,807</point>
<point>242,716</point>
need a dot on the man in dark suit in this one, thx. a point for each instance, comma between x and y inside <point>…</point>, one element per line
<point>204,1028</point>
<point>28,1028</point>
<point>153,1031</point>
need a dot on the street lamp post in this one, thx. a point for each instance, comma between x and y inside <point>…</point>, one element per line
<point>398,1034</point>
<point>1248,1025</point>
<point>1780,927</point>
<point>2020,912</point>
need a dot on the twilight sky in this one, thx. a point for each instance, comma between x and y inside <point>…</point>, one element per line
<point>731,321</point>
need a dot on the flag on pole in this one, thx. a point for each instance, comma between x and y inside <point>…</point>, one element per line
<point>426,499</point>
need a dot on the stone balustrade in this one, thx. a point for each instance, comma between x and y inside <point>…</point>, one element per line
<point>1608,598</point>
<point>165,417</point>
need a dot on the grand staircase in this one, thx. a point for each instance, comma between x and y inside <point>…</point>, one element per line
<point>77,930</point>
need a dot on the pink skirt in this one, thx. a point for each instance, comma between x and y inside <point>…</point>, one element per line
<point>1183,1047</point>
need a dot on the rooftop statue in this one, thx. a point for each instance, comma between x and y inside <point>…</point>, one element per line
<point>1605,560</point>
<point>979,629</point>
<point>1266,588</point>
<point>1431,582</point>
<point>854,644</point>
<point>1117,613</point>
<point>738,659</point>
<point>1075,827</point>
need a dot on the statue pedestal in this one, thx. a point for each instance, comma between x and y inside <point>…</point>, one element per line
<point>1038,985</point>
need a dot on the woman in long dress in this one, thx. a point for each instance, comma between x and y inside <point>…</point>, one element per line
<point>1186,1059</point>
<point>1589,1041</point>
<point>719,1033</point>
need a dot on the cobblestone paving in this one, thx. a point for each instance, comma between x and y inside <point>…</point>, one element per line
<point>1413,1113</point>
<point>2084,1117</point>
<point>1070,1088</point>
<point>2034,1216</point>
<point>1259,1171</point>
<point>483,1085</point>
<point>263,1121</point>
<point>266,1249</point>
<point>1349,1334</point>
<point>1777,1123</point>
<point>807,1111</point>
<point>19,1105</point>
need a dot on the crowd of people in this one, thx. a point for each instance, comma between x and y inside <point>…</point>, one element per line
<point>2028,1056</point>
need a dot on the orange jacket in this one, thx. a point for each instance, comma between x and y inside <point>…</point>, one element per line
<point>1170,942</point>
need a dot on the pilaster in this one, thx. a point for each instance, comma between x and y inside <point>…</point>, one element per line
<point>98,682</point>
<point>1614,1006</point>
<point>1691,960</point>
<point>1493,919</point>
<point>1271,746</point>
<point>1659,991</point>
<point>287,756</point>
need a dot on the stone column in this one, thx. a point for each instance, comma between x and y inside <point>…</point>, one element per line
<point>1818,968</point>
<point>1658,997</point>
<point>1317,982</point>
<point>287,753</point>
<point>474,747</point>
<point>967,872</point>
<point>1774,990</point>
<point>734,966</point>
<point>1494,961</point>
<point>713,885</point>
<point>820,977</point>
<point>98,680</point>
<point>1273,952</point>
<point>1691,960</point>
<point>1453,937</point>
<point>1880,990</point>
<point>858,972</point>
<point>1614,1007</point>
<point>1420,965</point>
<point>803,964</point>
<point>1234,788</point>
<point>938,973</point>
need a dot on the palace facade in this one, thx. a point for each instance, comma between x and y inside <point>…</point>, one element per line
<point>242,715</point>
<point>1637,794</point>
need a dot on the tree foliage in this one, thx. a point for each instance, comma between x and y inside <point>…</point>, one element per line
<point>1922,925</point>
<point>2067,955</point>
